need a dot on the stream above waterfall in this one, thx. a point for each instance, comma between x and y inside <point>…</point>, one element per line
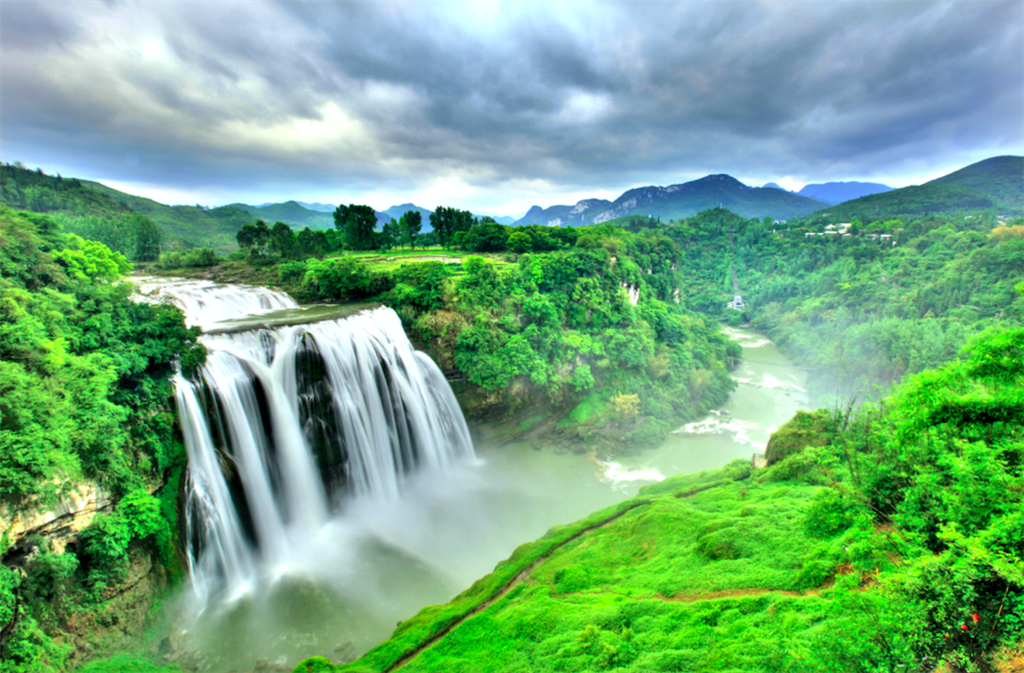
<point>377,557</point>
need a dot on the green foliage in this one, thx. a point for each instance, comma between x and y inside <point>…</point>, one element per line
<point>85,395</point>
<point>806,428</point>
<point>729,570</point>
<point>858,310</point>
<point>127,664</point>
<point>356,223</point>
<point>181,259</point>
<point>344,279</point>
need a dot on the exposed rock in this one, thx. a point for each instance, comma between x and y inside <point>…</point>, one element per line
<point>62,523</point>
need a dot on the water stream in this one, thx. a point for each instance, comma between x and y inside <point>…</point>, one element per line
<point>337,584</point>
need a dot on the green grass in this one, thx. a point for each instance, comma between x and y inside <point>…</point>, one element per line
<point>699,572</point>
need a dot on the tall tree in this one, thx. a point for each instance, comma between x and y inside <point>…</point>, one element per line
<point>411,223</point>
<point>357,224</point>
<point>147,238</point>
<point>449,221</point>
<point>281,240</point>
<point>391,234</point>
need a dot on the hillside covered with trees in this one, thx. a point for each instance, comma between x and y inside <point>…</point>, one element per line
<point>85,402</point>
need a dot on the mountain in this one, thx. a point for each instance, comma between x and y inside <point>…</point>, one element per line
<point>837,192</point>
<point>773,185</point>
<point>580,215</point>
<point>996,183</point>
<point>678,201</point>
<point>397,212</point>
<point>291,213</point>
<point>321,207</point>
<point>1000,178</point>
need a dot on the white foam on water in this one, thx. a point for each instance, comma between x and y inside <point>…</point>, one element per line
<point>720,423</point>
<point>617,474</point>
<point>771,382</point>
<point>746,339</point>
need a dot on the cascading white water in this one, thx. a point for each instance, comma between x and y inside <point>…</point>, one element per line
<point>284,425</point>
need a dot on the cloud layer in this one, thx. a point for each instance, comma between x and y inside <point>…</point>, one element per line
<point>495,106</point>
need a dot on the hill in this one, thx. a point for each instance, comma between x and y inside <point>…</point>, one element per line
<point>996,183</point>
<point>837,192</point>
<point>291,213</point>
<point>73,201</point>
<point>185,226</point>
<point>24,189</point>
<point>999,178</point>
<point>678,201</point>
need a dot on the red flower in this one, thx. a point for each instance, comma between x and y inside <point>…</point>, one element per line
<point>963,626</point>
<point>975,617</point>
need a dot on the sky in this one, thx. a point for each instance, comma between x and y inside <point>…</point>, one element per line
<point>494,106</point>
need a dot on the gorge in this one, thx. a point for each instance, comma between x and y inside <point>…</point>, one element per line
<point>332,475</point>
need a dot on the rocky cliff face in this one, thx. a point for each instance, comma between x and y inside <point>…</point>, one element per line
<point>60,524</point>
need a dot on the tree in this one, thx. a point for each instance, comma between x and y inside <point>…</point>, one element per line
<point>357,223</point>
<point>281,239</point>
<point>147,238</point>
<point>449,221</point>
<point>391,233</point>
<point>410,225</point>
<point>253,236</point>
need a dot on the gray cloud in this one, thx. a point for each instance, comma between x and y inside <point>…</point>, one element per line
<point>604,96</point>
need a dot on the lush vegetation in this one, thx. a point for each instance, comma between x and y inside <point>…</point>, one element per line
<point>557,329</point>
<point>84,398</point>
<point>890,539</point>
<point>135,226</point>
<point>893,297</point>
<point>996,183</point>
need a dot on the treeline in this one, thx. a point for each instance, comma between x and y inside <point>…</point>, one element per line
<point>591,330</point>
<point>354,230</point>
<point>85,397</point>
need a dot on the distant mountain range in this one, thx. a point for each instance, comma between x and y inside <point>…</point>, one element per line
<point>835,192</point>
<point>678,201</point>
<point>996,183</point>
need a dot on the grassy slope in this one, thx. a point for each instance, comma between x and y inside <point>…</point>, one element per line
<point>214,228</point>
<point>699,571</point>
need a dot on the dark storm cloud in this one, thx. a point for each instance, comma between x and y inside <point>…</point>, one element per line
<point>600,94</point>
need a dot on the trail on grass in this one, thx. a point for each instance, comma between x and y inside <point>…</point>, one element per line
<point>525,573</point>
<point>511,584</point>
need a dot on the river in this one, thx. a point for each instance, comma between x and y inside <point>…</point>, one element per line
<point>379,560</point>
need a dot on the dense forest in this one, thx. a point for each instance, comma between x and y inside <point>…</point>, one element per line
<point>884,535</point>
<point>85,398</point>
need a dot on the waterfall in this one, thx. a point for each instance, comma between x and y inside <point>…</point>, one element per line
<point>283,426</point>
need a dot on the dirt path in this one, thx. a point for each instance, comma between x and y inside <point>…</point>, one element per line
<point>513,583</point>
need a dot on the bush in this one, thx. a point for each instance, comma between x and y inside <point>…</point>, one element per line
<point>291,273</point>
<point>807,428</point>
<point>180,259</point>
